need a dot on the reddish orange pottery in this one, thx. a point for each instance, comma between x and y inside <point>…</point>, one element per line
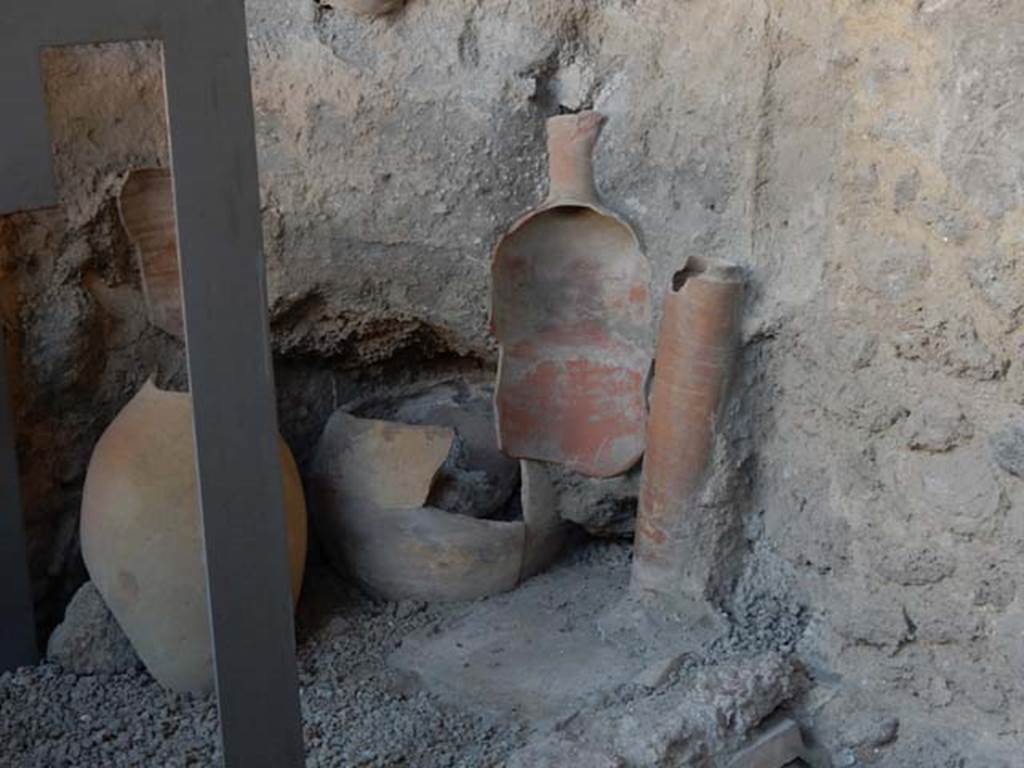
<point>147,212</point>
<point>571,310</point>
<point>695,355</point>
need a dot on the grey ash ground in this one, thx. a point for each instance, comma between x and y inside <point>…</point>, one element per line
<point>358,711</point>
<point>361,711</point>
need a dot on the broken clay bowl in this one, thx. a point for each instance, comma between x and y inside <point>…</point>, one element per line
<point>369,488</point>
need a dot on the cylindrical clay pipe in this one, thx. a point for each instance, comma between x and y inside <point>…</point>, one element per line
<point>693,366</point>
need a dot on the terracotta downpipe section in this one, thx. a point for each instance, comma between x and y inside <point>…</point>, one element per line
<point>693,368</point>
<point>146,205</point>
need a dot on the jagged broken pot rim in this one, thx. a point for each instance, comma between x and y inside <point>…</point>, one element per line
<point>569,203</point>
<point>706,268</point>
<point>404,547</point>
<point>150,388</point>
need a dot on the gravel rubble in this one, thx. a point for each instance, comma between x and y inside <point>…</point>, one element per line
<point>356,711</point>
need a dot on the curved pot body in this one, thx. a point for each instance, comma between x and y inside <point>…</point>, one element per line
<point>696,347</point>
<point>571,311</point>
<point>419,554</point>
<point>142,535</point>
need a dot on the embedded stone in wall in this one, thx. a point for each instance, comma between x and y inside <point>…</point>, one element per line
<point>373,7</point>
<point>1007,447</point>
<point>958,490</point>
<point>937,425</point>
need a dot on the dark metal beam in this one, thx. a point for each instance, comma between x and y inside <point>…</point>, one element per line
<point>220,242</point>
<point>220,239</point>
<point>17,625</point>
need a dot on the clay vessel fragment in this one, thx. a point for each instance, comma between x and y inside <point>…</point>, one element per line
<point>546,531</point>
<point>146,204</point>
<point>571,311</point>
<point>426,553</point>
<point>696,348</point>
<point>142,535</point>
<point>369,487</point>
<point>374,7</point>
<point>385,463</point>
<point>479,479</point>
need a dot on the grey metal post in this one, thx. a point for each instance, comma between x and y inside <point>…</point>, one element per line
<point>213,154</point>
<point>17,625</point>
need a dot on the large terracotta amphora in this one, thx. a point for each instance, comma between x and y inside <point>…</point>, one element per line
<point>571,310</point>
<point>142,535</point>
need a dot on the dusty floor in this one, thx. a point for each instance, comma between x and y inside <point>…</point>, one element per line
<point>358,710</point>
<point>365,705</point>
<point>355,711</point>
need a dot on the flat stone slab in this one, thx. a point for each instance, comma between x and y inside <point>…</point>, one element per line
<point>543,651</point>
<point>776,746</point>
<point>528,654</point>
<point>526,666</point>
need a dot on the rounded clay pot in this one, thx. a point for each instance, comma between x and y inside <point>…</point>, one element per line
<point>142,535</point>
<point>369,485</point>
<point>571,310</point>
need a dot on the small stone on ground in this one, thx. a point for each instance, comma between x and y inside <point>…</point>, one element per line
<point>89,640</point>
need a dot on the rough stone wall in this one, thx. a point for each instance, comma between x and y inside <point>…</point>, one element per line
<point>886,342</point>
<point>70,299</point>
<point>860,157</point>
